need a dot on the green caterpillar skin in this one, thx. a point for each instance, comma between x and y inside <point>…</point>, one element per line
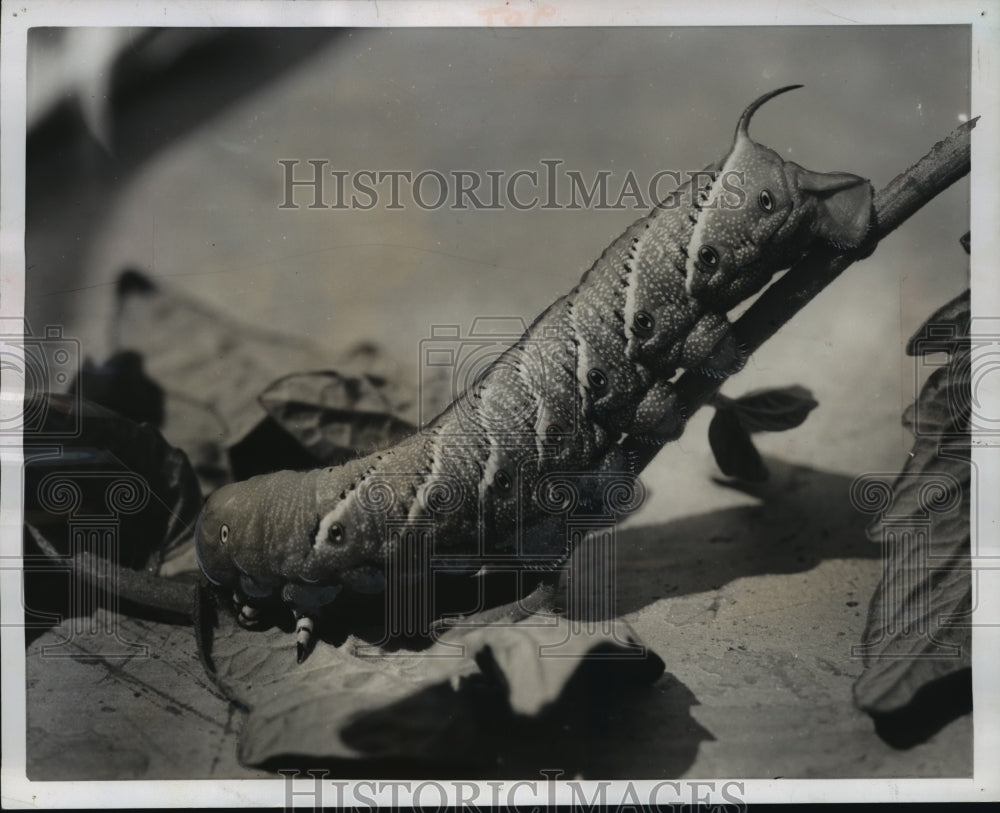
<point>595,365</point>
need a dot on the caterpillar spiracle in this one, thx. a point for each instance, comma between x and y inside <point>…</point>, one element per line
<point>595,366</point>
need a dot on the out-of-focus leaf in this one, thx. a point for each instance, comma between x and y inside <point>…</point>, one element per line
<point>946,330</point>
<point>733,449</point>
<point>197,429</point>
<point>121,385</point>
<point>333,415</point>
<point>438,704</point>
<point>113,468</point>
<point>942,411</point>
<point>773,410</point>
<point>919,629</point>
<point>212,379</point>
<point>909,635</point>
<point>222,362</point>
<point>111,493</point>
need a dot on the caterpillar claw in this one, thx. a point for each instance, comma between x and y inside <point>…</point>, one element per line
<point>708,372</point>
<point>248,617</point>
<point>742,354</point>
<point>303,636</point>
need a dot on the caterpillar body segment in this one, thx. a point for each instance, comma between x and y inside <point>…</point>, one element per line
<point>594,366</point>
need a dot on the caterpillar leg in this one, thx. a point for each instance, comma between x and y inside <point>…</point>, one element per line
<point>659,416</point>
<point>712,348</point>
<point>306,601</point>
<point>247,615</point>
<point>303,635</point>
<point>246,600</point>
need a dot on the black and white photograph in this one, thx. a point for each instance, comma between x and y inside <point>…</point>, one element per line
<point>496,404</point>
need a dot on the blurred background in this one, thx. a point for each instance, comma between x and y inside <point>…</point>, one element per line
<point>159,150</point>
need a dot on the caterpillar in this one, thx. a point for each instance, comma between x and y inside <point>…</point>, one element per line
<point>592,368</point>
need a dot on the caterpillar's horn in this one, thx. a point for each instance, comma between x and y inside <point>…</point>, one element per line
<point>744,122</point>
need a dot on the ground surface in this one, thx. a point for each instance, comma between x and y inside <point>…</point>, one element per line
<point>752,600</point>
<point>753,610</point>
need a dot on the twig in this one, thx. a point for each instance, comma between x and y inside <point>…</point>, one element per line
<point>140,588</point>
<point>947,161</point>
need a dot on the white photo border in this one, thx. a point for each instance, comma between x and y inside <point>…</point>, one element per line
<point>984,19</point>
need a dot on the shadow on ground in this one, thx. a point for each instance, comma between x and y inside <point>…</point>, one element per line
<point>589,734</point>
<point>804,518</point>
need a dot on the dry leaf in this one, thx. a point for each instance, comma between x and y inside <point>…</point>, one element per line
<point>773,410</point>
<point>358,701</point>
<point>919,623</point>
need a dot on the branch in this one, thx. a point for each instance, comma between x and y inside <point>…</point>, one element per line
<point>947,161</point>
<point>136,586</point>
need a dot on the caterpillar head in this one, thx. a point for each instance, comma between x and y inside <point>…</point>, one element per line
<point>265,531</point>
<point>761,213</point>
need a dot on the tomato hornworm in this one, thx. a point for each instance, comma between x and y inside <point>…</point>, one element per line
<point>594,367</point>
